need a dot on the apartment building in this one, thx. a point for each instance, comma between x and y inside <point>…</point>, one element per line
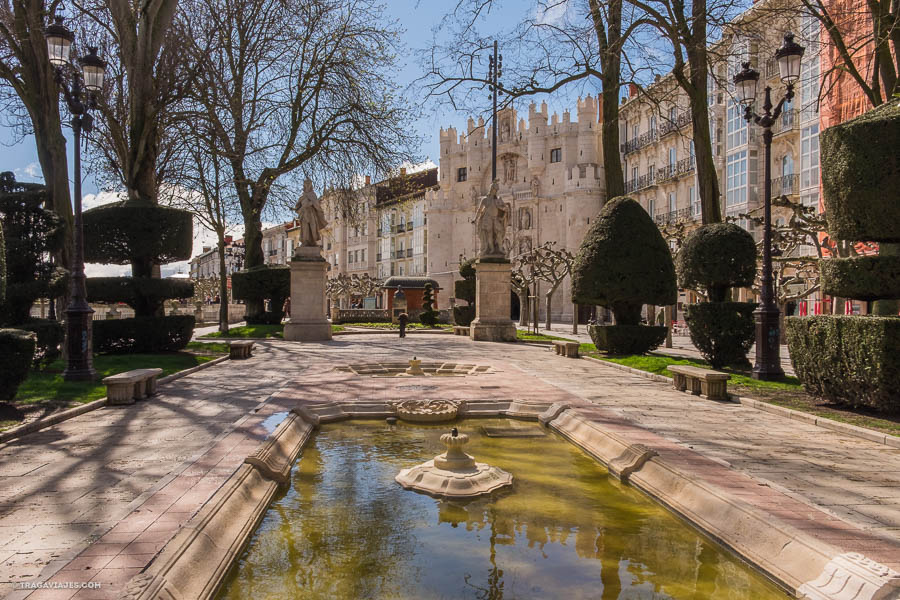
<point>206,264</point>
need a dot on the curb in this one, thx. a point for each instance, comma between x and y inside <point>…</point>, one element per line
<point>394,332</point>
<point>65,415</point>
<point>789,413</point>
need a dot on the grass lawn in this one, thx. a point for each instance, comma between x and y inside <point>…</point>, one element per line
<point>45,392</point>
<point>788,393</point>
<point>250,331</point>
<point>540,337</point>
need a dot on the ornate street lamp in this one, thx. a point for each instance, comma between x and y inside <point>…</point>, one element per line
<point>495,71</point>
<point>768,338</point>
<point>80,98</point>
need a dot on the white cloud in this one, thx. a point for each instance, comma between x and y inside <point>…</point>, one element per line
<point>94,200</point>
<point>94,270</point>
<point>31,171</point>
<point>551,12</point>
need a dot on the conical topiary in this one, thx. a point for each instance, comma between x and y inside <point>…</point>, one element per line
<point>624,263</point>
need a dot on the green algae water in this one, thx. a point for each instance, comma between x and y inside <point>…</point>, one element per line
<point>564,529</point>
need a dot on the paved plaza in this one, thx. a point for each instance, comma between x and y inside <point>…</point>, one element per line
<point>97,497</point>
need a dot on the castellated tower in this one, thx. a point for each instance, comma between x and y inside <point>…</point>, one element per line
<point>587,127</point>
<point>537,138</point>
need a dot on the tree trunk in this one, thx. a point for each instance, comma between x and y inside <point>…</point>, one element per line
<point>223,286</point>
<point>549,297</point>
<point>610,44</point>
<point>707,177</point>
<point>523,309</point>
<point>574,318</point>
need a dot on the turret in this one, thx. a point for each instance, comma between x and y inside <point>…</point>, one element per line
<point>537,141</point>
<point>588,130</point>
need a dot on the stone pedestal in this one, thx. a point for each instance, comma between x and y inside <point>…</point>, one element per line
<point>492,306</point>
<point>308,322</point>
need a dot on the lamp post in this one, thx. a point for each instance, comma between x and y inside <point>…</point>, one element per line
<point>80,98</point>
<point>495,71</point>
<point>768,338</point>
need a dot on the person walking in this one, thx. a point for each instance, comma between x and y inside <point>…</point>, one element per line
<point>403,318</point>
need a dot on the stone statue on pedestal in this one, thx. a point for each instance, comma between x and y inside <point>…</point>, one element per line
<point>491,220</point>
<point>312,218</point>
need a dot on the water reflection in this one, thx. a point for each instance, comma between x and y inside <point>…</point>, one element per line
<point>564,529</point>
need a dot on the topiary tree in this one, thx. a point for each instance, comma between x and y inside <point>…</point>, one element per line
<point>856,359</point>
<point>269,282</point>
<point>429,316</point>
<point>715,258</point>
<point>624,263</point>
<point>465,290</point>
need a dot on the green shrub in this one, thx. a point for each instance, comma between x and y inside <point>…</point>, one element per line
<point>268,282</point>
<point>722,331</point>
<point>144,294</point>
<point>861,176</point>
<point>627,339</point>
<point>143,334</point>
<point>16,354</point>
<point>861,277</point>
<point>137,233</point>
<point>50,337</point>
<point>848,359</point>
<point>624,263</point>
<point>429,316</point>
<point>31,234</point>
<point>463,315</point>
<point>717,257</point>
<point>465,290</point>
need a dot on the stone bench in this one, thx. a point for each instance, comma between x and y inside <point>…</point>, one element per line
<point>705,382</point>
<point>240,350</point>
<point>460,330</point>
<point>125,388</point>
<point>565,348</point>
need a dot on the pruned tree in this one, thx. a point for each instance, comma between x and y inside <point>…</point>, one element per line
<point>552,265</point>
<point>365,285</point>
<point>30,99</point>
<point>340,286</point>
<point>522,277</point>
<point>307,91</point>
<point>555,45</point>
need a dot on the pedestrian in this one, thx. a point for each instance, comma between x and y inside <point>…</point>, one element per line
<point>403,318</point>
<point>286,309</point>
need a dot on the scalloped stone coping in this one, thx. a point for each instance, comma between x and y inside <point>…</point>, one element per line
<point>195,562</point>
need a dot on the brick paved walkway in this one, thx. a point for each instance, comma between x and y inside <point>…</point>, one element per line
<point>127,478</point>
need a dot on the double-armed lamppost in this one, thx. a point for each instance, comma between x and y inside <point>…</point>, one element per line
<point>768,338</point>
<point>80,96</point>
<point>495,71</point>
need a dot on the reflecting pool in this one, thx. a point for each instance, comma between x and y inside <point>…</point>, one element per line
<point>564,529</point>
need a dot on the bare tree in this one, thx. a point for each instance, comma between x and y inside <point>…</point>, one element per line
<point>29,83</point>
<point>203,188</point>
<point>292,88</point>
<point>557,44</point>
<point>553,266</point>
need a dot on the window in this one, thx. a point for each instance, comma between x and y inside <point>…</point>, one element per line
<point>652,123</point>
<point>787,165</point>
<point>809,157</point>
<point>634,173</point>
<point>635,131</point>
<point>673,157</point>
<point>811,198</point>
<point>695,201</point>
<point>556,155</point>
<point>461,174</point>
<point>672,202</point>
<point>673,114</point>
<point>736,179</point>
<point>349,257</point>
<point>737,126</point>
<point>809,89</point>
<point>651,206</point>
<point>362,255</point>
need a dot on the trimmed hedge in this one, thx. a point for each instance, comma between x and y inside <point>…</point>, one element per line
<point>16,353</point>
<point>429,316</point>
<point>722,331</point>
<point>144,294</point>
<point>627,339</point>
<point>861,277</point>
<point>465,290</point>
<point>623,263</point>
<point>861,176</point>
<point>717,257</point>
<point>847,359</point>
<point>463,315</point>
<point>143,334</point>
<point>137,232</point>
<point>268,282</point>
<point>50,338</point>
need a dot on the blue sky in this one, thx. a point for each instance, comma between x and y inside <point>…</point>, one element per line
<point>417,17</point>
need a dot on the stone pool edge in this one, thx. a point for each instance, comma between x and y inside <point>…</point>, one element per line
<point>197,560</point>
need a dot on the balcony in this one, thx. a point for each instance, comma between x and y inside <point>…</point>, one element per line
<point>673,216</point>
<point>668,126</point>
<point>409,252</point>
<point>786,185</point>
<point>635,144</point>
<point>786,122</point>
<point>644,181</point>
<point>683,167</point>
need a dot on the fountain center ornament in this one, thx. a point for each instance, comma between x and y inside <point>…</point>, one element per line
<point>454,474</point>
